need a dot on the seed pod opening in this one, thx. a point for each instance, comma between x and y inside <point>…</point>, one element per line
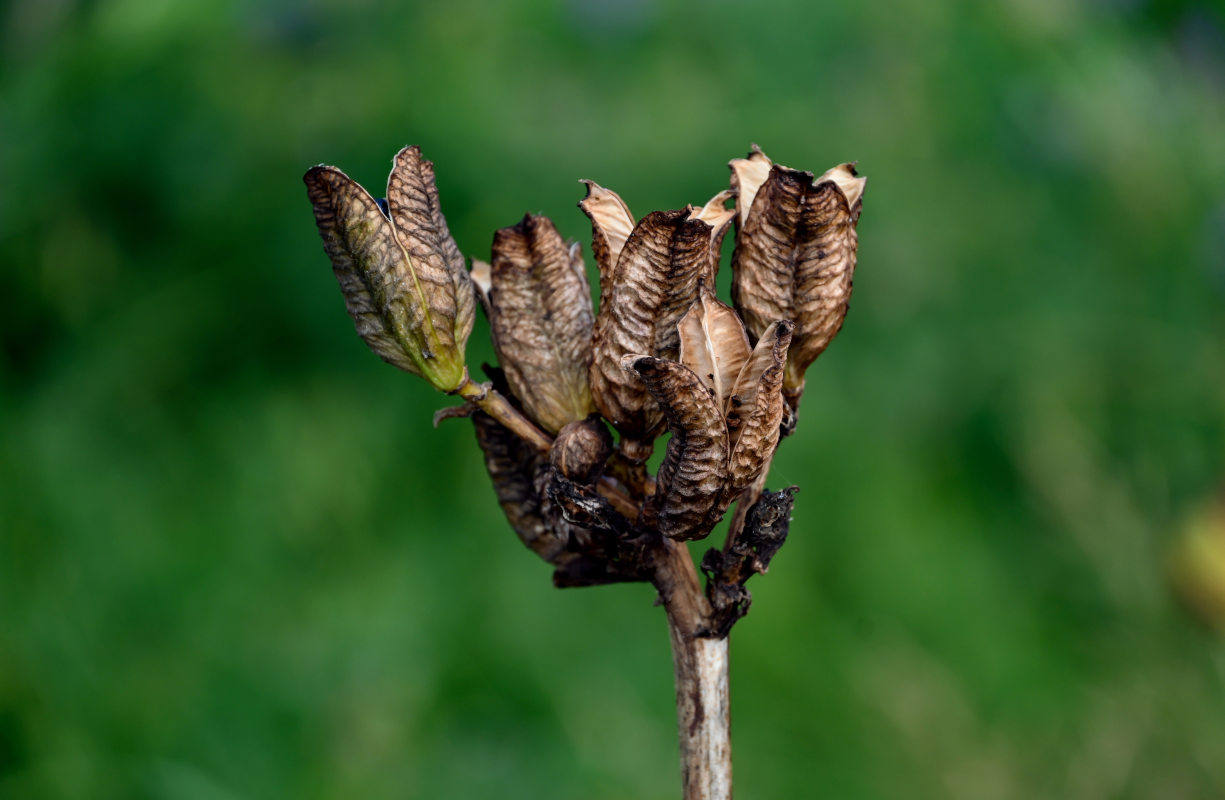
<point>541,319</point>
<point>401,274</point>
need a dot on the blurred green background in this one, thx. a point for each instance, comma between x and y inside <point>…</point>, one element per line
<point>236,561</point>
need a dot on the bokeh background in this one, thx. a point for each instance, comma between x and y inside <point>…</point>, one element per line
<point>236,561</point>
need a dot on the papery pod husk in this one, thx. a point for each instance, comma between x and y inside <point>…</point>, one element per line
<point>401,274</point>
<point>512,466</point>
<point>693,472</point>
<point>656,281</point>
<point>795,256</point>
<point>755,410</point>
<point>611,226</point>
<point>713,344</point>
<point>748,174</point>
<point>541,319</point>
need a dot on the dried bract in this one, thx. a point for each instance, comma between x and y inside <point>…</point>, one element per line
<point>692,474</point>
<point>540,314</point>
<point>795,253</point>
<point>401,274</point>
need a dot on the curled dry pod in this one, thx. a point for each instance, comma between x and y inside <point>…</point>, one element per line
<point>401,274</point>
<point>653,283</point>
<point>795,253</point>
<point>512,465</point>
<point>581,449</point>
<point>693,471</point>
<point>540,314</point>
<point>755,410</point>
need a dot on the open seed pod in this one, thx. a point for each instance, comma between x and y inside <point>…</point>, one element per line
<point>539,308</point>
<point>401,274</point>
<point>795,253</point>
<point>648,281</point>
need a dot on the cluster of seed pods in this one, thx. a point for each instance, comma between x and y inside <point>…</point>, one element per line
<point>660,352</point>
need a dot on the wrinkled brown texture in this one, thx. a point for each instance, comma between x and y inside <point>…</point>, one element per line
<point>756,410</point>
<point>655,282</point>
<point>541,320</point>
<point>714,345</point>
<point>403,278</point>
<point>581,449</point>
<point>795,254</point>
<point>692,474</point>
<point>512,466</point>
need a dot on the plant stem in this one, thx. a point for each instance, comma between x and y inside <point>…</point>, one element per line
<point>701,666</point>
<point>487,399</point>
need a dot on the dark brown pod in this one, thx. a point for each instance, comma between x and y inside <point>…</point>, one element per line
<point>656,279</point>
<point>512,465</point>
<point>692,475</point>
<point>540,314</point>
<point>795,253</point>
<point>581,449</point>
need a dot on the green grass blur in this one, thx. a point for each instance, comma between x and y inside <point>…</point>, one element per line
<point>236,561</point>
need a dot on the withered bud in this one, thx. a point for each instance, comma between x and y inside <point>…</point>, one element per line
<point>401,274</point>
<point>693,472</point>
<point>581,449</point>
<point>540,314</point>
<point>653,283</point>
<point>795,253</point>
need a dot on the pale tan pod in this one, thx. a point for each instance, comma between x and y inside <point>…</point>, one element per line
<point>541,321</point>
<point>713,344</point>
<point>756,409</point>
<point>691,477</point>
<point>611,225</point>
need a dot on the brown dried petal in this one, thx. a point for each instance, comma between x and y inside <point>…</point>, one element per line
<point>713,344</point>
<point>757,409</point>
<point>611,225</point>
<point>541,320</point>
<point>657,278</point>
<point>795,258</point>
<point>413,312</point>
<point>692,474</point>
<point>512,465</point>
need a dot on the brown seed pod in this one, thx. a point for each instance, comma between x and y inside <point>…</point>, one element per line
<point>540,316</point>
<point>795,254</point>
<point>512,465</point>
<point>401,274</point>
<point>756,410</point>
<point>581,449</point>
<point>692,475</point>
<point>655,282</point>
<point>713,344</point>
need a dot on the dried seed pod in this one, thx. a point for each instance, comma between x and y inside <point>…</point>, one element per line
<point>655,282</point>
<point>581,449</point>
<point>756,410</point>
<point>401,274</point>
<point>611,225</point>
<point>713,344</point>
<point>692,475</point>
<point>512,465</point>
<point>795,254</point>
<point>541,318</point>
